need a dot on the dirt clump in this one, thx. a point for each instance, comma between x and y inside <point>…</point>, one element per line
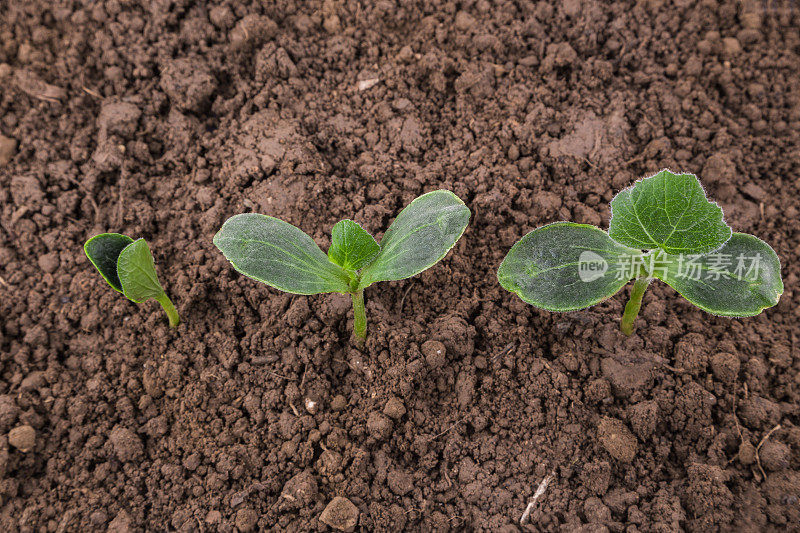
<point>617,439</point>
<point>127,446</point>
<point>705,491</point>
<point>340,514</point>
<point>725,366</point>
<point>188,83</point>
<point>8,147</point>
<point>775,456</point>
<point>162,119</point>
<point>22,438</point>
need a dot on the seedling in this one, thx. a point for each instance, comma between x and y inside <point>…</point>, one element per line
<point>661,227</point>
<point>281,255</point>
<point>127,265</point>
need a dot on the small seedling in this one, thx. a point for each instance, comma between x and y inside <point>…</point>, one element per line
<point>127,265</point>
<point>281,255</point>
<point>661,227</point>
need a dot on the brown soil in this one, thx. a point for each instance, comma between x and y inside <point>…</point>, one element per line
<point>162,120</point>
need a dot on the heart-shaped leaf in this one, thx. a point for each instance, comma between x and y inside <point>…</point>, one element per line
<point>420,236</point>
<point>566,266</point>
<point>669,212</point>
<point>351,246</point>
<point>103,251</point>
<point>740,279</point>
<point>277,253</point>
<point>137,272</point>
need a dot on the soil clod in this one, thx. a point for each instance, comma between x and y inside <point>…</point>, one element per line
<point>617,439</point>
<point>340,514</point>
<point>22,438</point>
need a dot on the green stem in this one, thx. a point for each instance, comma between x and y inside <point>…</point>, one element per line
<point>634,304</point>
<point>172,313</point>
<point>359,314</point>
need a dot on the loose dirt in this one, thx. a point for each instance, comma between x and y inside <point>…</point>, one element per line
<point>161,119</point>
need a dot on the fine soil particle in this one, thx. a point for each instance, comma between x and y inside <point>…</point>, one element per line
<point>161,119</point>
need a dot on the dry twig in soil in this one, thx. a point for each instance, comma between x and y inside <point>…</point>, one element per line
<point>758,449</point>
<point>536,495</point>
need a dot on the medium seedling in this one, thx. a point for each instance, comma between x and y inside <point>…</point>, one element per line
<point>127,265</point>
<point>281,255</point>
<point>661,227</point>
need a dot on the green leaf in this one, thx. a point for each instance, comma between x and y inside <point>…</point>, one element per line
<point>137,272</point>
<point>740,279</point>
<point>351,246</point>
<point>274,252</point>
<point>103,251</point>
<point>566,266</point>
<point>668,211</point>
<point>420,236</point>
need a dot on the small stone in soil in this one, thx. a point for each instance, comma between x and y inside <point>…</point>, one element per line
<point>363,85</point>
<point>22,438</point>
<point>311,406</point>
<point>340,514</point>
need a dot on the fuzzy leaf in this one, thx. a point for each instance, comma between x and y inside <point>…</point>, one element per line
<point>740,279</point>
<point>103,251</point>
<point>566,266</point>
<point>420,236</point>
<point>137,272</point>
<point>351,246</point>
<point>279,254</point>
<point>669,212</point>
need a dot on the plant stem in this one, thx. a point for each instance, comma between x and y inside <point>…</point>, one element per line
<point>172,313</point>
<point>359,314</point>
<point>634,304</point>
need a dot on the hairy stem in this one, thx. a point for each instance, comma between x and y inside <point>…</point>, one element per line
<point>359,314</point>
<point>172,313</point>
<point>634,304</point>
